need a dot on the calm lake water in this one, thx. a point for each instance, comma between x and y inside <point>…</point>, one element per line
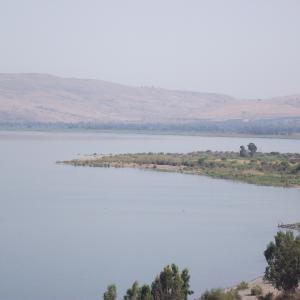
<point>66,232</point>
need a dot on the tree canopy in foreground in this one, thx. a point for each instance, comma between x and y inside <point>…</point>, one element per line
<point>170,284</point>
<point>283,259</point>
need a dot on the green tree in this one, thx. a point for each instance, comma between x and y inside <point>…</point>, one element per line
<point>171,285</point>
<point>252,149</point>
<point>111,293</point>
<point>145,292</point>
<point>138,293</point>
<point>133,293</point>
<point>185,276</point>
<point>283,259</point>
<point>243,151</point>
<point>156,289</point>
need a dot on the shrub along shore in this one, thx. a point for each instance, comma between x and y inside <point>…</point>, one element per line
<point>270,169</point>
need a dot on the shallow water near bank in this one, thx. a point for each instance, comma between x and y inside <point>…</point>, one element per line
<point>66,232</point>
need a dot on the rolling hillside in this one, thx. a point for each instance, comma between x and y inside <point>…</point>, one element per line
<point>46,98</point>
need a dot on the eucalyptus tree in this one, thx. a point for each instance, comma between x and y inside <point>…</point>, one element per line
<point>283,261</point>
<point>111,293</point>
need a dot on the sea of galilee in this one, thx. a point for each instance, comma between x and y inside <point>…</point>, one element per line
<point>81,228</point>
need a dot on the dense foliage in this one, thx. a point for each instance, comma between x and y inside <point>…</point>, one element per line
<point>171,284</point>
<point>283,259</point>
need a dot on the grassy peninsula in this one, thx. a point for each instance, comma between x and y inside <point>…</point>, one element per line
<point>270,169</point>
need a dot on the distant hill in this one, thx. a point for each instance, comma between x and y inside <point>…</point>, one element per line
<point>49,99</point>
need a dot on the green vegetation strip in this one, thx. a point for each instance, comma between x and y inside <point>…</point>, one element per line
<point>270,169</point>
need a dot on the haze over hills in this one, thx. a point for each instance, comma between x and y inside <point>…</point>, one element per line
<point>46,98</point>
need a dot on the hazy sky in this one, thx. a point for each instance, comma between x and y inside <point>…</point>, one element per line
<point>242,48</point>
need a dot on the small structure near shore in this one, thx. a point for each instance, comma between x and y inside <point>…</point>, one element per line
<point>294,226</point>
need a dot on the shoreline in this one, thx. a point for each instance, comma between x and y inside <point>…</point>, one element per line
<point>170,169</point>
<point>148,132</point>
<point>265,169</point>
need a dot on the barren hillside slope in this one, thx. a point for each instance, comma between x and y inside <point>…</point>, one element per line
<point>47,98</point>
